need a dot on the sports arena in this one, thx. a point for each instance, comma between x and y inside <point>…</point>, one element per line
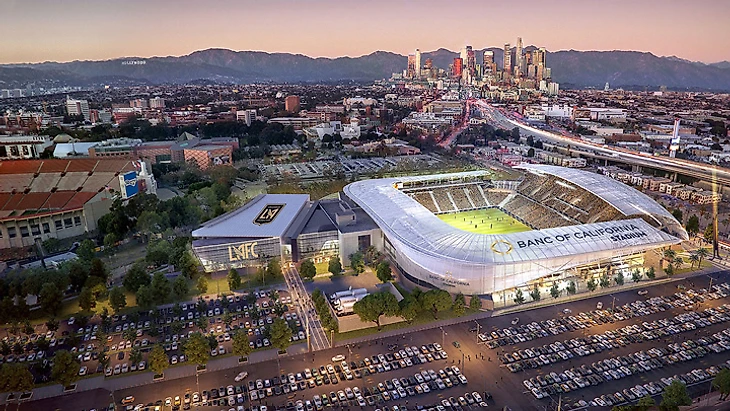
<point>465,232</point>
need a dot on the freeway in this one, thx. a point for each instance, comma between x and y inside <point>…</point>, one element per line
<point>702,171</point>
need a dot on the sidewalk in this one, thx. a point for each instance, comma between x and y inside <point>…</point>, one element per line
<point>409,330</point>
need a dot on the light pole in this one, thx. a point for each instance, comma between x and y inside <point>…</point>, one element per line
<point>443,338</point>
<point>478,327</point>
<point>613,303</point>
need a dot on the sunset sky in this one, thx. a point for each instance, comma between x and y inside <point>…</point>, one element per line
<point>64,30</point>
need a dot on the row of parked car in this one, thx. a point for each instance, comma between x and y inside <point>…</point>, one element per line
<point>536,330</point>
<point>531,358</point>
<point>618,367</point>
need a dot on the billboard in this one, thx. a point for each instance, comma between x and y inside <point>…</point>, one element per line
<point>129,184</point>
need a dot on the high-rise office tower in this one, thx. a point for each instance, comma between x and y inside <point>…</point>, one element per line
<point>418,64</point>
<point>411,70</point>
<point>77,108</point>
<point>292,104</point>
<point>518,57</point>
<point>488,63</point>
<point>457,67</point>
<point>507,60</point>
<point>462,55</point>
<point>471,61</point>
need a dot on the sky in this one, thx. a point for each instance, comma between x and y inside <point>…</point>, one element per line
<point>66,30</point>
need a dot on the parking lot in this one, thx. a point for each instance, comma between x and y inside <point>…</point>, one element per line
<point>649,334</point>
<point>170,326</point>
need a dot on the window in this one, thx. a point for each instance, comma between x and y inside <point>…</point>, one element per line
<point>46,228</point>
<point>11,232</point>
<point>77,220</point>
<point>59,224</point>
<point>35,229</point>
<point>363,242</point>
<point>24,232</point>
<point>67,222</point>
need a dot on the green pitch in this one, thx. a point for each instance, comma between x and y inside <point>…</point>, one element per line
<point>487,221</point>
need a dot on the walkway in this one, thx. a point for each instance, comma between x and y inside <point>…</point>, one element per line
<point>315,332</point>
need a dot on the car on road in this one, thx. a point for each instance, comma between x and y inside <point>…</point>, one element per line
<point>127,400</point>
<point>338,358</point>
<point>515,321</point>
<point>599,306</point>
<point>643,292</point>
<point>241,376</point>
<point>456,344</point>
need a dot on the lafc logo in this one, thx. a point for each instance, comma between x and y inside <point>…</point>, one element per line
<point>268,214</point>
<point>502,247</point>
<point>244,251</point>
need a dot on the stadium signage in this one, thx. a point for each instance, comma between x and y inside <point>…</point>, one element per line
<point>615,234</point>
<point>268,214</point>
<point>245,251</point>
<point>448,280</point>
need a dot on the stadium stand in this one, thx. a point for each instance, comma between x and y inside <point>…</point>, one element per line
<point>494,197</point>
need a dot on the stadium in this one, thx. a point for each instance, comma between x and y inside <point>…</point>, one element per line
<point>465,232</point>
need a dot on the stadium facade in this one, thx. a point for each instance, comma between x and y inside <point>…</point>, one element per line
<point>582,224</point>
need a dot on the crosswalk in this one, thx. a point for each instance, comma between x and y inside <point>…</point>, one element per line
<point>305,308</point>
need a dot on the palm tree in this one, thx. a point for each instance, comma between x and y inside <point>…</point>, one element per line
<point>669,255</point>
<point>678,261</point>
<point>702,253</point>
<point>694,258</point>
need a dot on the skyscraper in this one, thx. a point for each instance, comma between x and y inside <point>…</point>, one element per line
<point>471,61</point>
<point>488,63</point>
<point>457,67</point>
<point>418,64</point>
<point>507,60</point>
<point>411,70</point>
<point>518,58</point>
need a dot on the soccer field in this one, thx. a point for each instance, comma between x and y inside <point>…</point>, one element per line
<point>488,221</point>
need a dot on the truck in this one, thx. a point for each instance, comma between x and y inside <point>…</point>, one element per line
<point>346,300</point>
<point>346,308</point>
<point>349,293</point>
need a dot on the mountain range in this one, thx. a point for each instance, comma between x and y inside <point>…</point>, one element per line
<point>571,68</point>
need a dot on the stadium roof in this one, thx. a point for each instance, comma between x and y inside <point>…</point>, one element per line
<point>625,199</point>
<point>246,222</point>
<point>400,216</point>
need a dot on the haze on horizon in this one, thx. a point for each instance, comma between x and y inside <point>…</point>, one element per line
<point>52,30</point>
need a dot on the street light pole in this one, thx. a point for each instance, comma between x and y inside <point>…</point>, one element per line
<point>478,327</point>
<point>613,304</point>
<point>443,338</point>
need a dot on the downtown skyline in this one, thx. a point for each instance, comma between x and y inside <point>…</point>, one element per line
<point>42,30</point>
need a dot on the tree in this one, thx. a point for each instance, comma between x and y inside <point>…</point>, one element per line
<point>98,270</point>
<point>65,368</point>
<point>674,396</point>
<point>52,324</point>
<point>85,251</point>
<point>435,301</point>
<point>668,255</point>
<point>129,335</point>
<point>701,253</point>
<point>180,287</point>
<point>50,298</point>
<point>273,269</point>
<point>188,265</point>
<point>619,279</point>
<point>86,299</point>
<point>535,293</point>
<point>374,306</point>
<point>459,306</point>
<point>160,287</point>
<point>202,284</point>
<point>15,378</point>
<point>636,275</point>
<point>136,277</point>
<point>677,213</point>
<point>645,403</point>
<point>307,270</point>
<point>475,303</point>
<point>371,256</point>
<point>519,297</point>
<point>234,279</point>
<point>77,274</point>
<point>384,272</point>
<point>693,258</point>
<point>555,291</point>
<point>651,274</point>
<point>117,299</point>
<point>135,356</point>
<point>280,334</point>
<point>158,360</point>
<point>709,234</point>
<point>721,382</point>
<point>409,308</point>
<point>693,225</point>
<point>604,281</point>
<point>357,262</point>
<point>591,284</point>
<point>240,344</point>
<point>227,318</point>
<point>571,289</point>
<point>678,262</point>
<point>197,349</point>
<point>145,297</point>
<point>334,266</point>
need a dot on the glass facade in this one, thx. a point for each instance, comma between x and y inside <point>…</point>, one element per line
<point>238,254</point>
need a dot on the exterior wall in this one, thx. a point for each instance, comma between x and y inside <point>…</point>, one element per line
<point>153,153</point>
<point>316,246</point>
<point>58,225</point>
<point>231,255</point>
<point>349,243</point>
<point>204,157</point>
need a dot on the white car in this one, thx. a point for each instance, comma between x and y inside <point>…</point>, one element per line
<point>338,358</point>
<point>83,370</point>
<point>515,321</point>
<point>241,376</point>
